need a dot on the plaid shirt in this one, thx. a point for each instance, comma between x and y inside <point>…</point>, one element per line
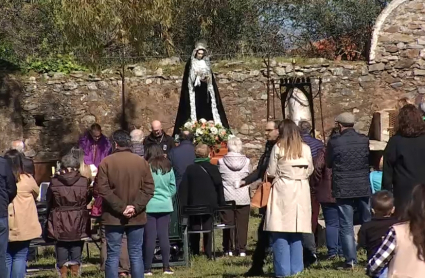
<point>383,256</point>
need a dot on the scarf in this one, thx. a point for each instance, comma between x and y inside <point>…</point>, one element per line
<point>200,159</point>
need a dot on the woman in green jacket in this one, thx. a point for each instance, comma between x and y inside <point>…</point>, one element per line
<point>159,208</point>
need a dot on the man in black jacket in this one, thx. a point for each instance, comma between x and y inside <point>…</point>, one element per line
<point>182,156</point>
<point>159,137</point>
<point>348,156</point>
<point>8,191</point>
<point>272,134</point>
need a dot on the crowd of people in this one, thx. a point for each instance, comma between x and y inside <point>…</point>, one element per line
<point>130,182</point>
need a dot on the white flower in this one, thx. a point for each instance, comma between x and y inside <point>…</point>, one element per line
<point>231,136</point>
<point>202,121</point>
<point>188,125</point>
<point>211,122</point>
<point>199,131</point>
<point>214,130</point>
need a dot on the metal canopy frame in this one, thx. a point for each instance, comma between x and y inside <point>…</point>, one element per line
<point>287,86</point>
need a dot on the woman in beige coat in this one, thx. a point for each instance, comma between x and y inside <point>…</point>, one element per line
<point>23,218</point>
<point>289,206</point>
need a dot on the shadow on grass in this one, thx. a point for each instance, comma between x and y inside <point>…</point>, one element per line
<point>92,260</point>
<point>229,275</point>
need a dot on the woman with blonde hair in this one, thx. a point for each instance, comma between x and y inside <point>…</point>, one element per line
<point>289,206</point>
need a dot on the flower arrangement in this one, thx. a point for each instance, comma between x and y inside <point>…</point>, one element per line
<point>207,132</point>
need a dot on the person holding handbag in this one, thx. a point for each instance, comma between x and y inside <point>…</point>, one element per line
<point>201,185</point>
<point>263,242</point>
<point>288,213</point>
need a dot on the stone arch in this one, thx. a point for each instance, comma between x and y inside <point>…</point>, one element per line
<point>380,23</point>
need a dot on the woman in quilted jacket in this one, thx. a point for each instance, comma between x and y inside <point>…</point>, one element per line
<point>233,168</point>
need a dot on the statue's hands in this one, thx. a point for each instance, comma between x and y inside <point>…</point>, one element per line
<point>205,78</point>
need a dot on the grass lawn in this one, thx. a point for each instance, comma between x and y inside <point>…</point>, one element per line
<point>223,267</point>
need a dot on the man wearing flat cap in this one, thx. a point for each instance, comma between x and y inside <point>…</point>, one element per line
<point>348,156</point>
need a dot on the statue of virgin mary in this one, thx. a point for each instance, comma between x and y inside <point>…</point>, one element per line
<point>199,98</point>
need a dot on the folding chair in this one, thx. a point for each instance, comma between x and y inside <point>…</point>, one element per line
<point>192,212</point>
<point>229,205</point>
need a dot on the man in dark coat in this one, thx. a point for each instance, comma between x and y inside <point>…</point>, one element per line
<point>126,185</point>
<point>158,137</point>
<point>137,142</point>
<point>272,134</point>
<point>348,156</point>
<point>8,191</point>
<point>182,155</point>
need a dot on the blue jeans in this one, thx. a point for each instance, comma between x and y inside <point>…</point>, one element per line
<point>287,253</point>
<point>16,259</point>
<point>346,229</point>
<point>333,243</point>
<point>384,273</point>
<point>4,238</point>
<point>113,235</point>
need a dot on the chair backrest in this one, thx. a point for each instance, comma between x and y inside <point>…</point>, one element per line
<point>175,225</point>
<point>229,205</point>
<point>197,210</point>
<point>43,190</point>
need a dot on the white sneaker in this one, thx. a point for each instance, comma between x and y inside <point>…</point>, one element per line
<point>229,254</point>
<point>242,254</point>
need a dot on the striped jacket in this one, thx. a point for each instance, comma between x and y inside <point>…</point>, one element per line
<point>315,144</point>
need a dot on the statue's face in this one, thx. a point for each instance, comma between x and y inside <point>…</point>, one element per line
<point>200,54</point>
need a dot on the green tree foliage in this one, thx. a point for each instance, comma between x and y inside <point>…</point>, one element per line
<point>41,34</point>
<point>95,26</point>
<point>343,28</point>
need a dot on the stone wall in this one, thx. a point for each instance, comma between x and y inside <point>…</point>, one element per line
<point>398,49</point>
<point>50,111</point>
<point>55,109</point>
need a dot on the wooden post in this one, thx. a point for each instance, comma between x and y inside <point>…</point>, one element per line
<point>321,110</point>
<point>268,86</point>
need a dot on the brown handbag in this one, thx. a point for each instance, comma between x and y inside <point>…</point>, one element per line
<point>261,195</point>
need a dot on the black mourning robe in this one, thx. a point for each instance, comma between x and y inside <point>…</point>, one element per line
<point>202,102</point>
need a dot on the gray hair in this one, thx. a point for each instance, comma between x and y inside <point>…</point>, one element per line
<point>70,161</point>
<point>17,145</point>
<point>234,144</point>
<point>304,126</point>
<point>202,151</point>
<point>136,135</point>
